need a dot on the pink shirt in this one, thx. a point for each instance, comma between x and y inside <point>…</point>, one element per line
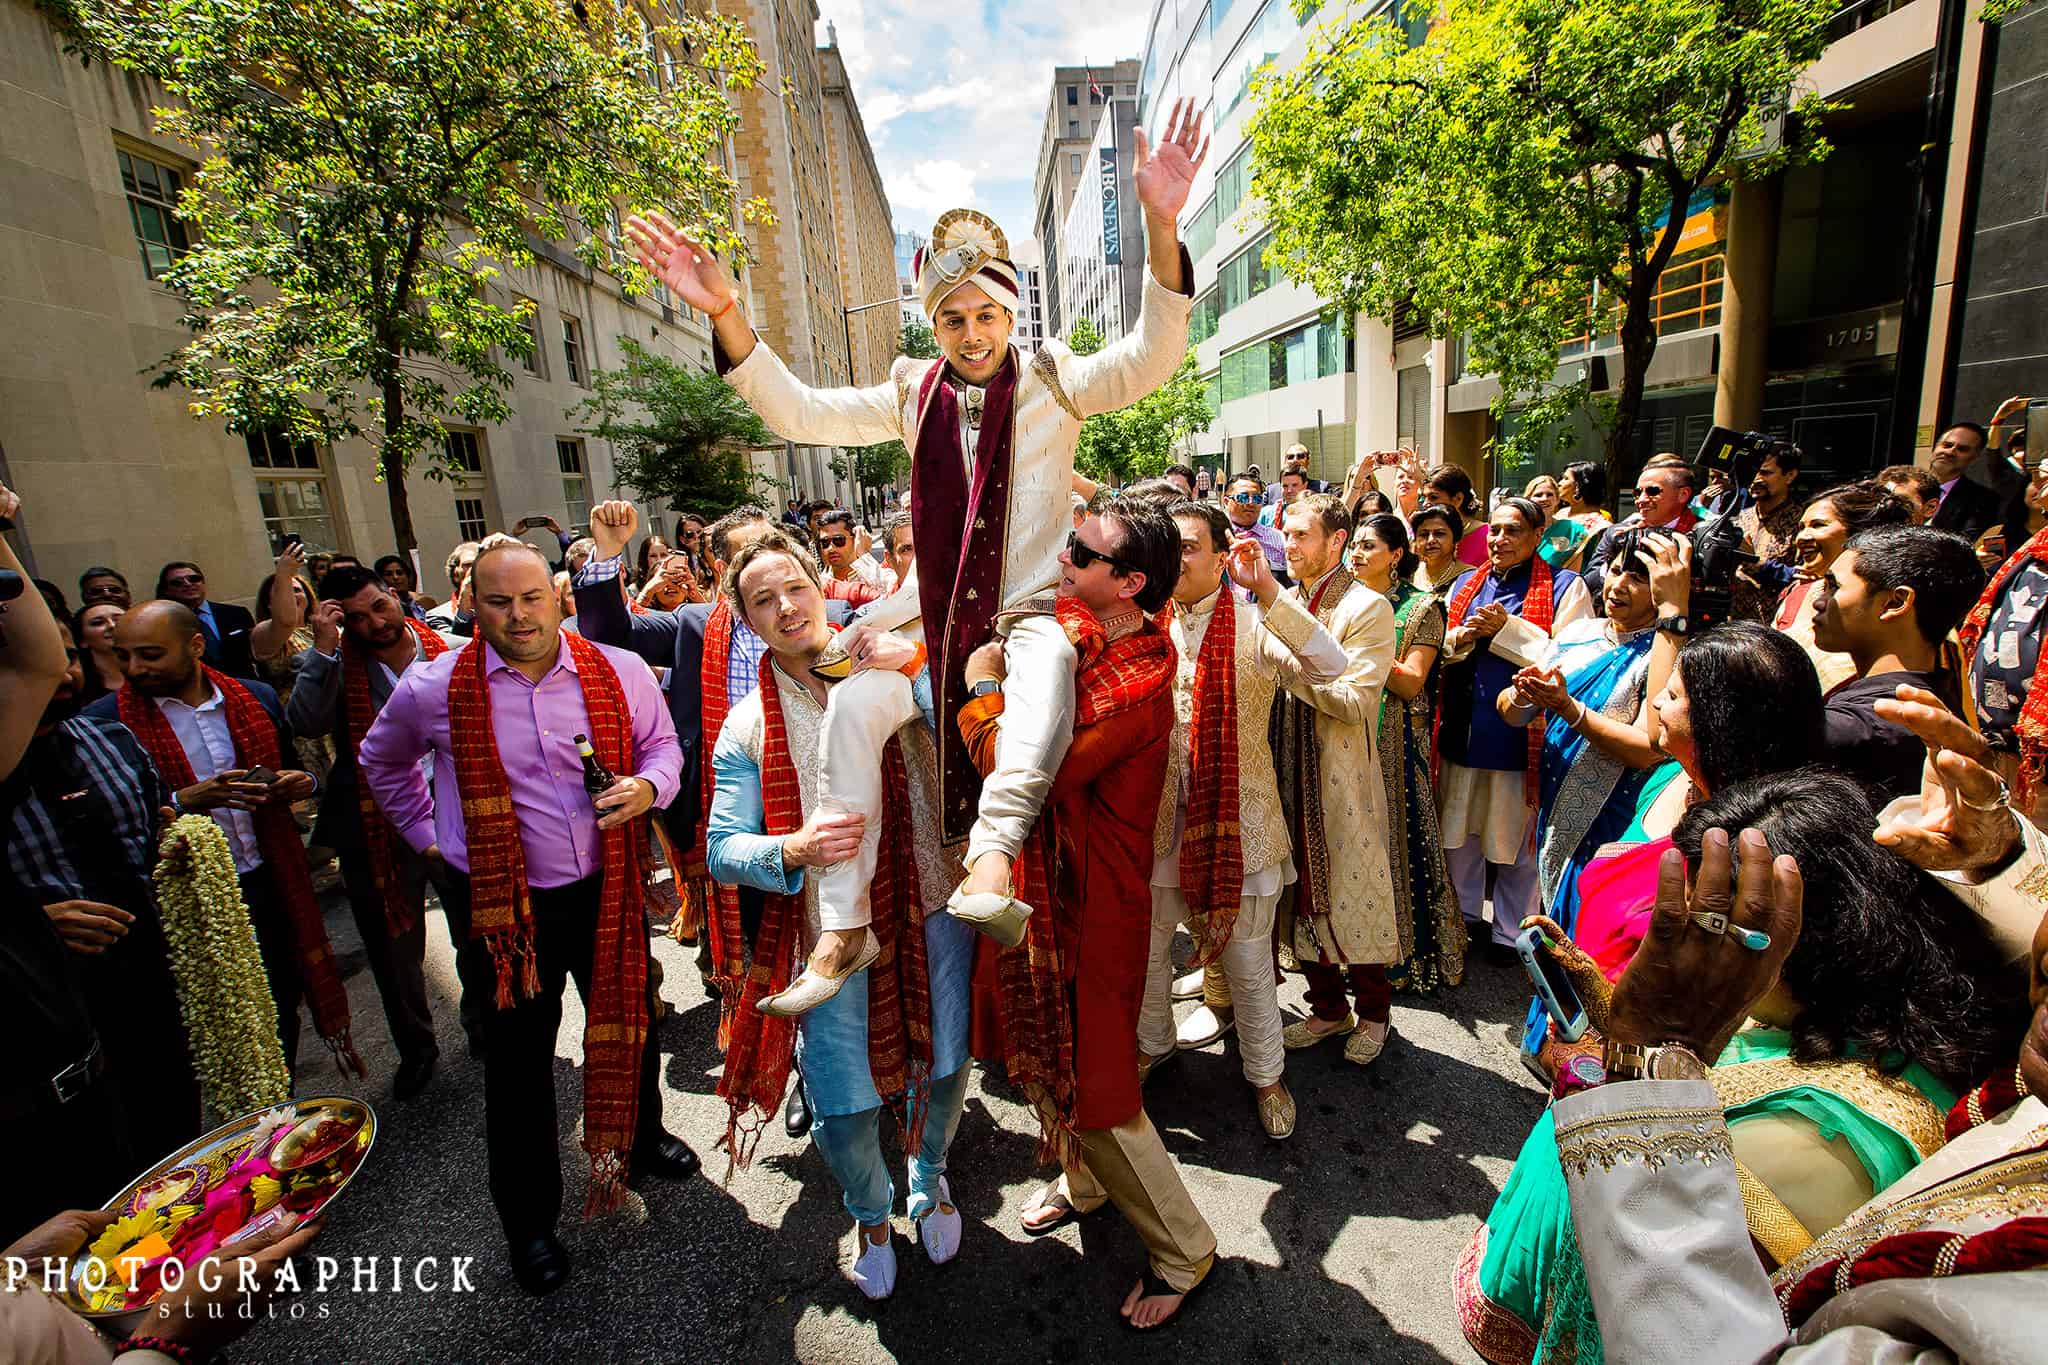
<point>1472,549</point>
<point>535,725</point>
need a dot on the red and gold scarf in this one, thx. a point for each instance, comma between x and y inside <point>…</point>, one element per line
<point>2032,728</point>
<point>277,836</point>
<point>1538,609</point>
<point>1033,1007</point>
<point>721,903</point>
<point>501,905</point>
<point>1211,848</point>
<point>380,840</point>
<point>760,1047</point>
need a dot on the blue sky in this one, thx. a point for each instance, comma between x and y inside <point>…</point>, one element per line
<point>954,95</point>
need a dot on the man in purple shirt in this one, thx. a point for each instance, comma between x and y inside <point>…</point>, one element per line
<point>1243,501</point>
<point>537,710</point>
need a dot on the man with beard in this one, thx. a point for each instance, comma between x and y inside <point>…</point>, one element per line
<point>363,642</point>
<point>216,741</point>
<point>992,434</point>
<point>553,879</point>
<point>83,809</point>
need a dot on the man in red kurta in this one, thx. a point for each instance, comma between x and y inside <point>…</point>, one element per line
<point>1066,1000</point>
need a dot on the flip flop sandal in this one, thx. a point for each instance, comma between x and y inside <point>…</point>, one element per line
<point>1051,1198</point>
<point>1151,1286</point>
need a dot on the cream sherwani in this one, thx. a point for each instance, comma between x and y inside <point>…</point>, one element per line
<point>1286,636</point>
<point>1364,913</point>
<point>1056,390</point>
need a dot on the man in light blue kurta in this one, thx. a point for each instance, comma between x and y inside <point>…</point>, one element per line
<point>832,1040</point>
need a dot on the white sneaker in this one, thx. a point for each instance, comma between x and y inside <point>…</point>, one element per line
<point>874,1270</point>
<point>1188,986</point>
<point>1203,1027</point>
<point>938,1230</point>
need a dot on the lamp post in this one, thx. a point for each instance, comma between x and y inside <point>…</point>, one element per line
<point>846,313</point>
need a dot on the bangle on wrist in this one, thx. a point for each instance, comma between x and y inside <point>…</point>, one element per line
<point>730,304</point>
<point>176,1350</point>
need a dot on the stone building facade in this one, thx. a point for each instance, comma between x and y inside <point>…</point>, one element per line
<point>861,222</point>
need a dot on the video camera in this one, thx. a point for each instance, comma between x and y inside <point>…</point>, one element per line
<point>1717,540</point>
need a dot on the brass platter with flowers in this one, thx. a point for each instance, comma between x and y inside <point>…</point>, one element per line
<point>218,1192</point>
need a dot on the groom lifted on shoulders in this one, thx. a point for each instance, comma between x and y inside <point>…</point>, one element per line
<point>992,432</point>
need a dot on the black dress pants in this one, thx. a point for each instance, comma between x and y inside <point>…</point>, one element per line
<point>280,950</point>
<point>397,964</point>
<point>519,1061</point>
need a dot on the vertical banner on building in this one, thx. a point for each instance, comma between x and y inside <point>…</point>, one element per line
<point>1112,217</point>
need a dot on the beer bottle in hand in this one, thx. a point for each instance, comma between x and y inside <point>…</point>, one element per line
<point>597,780</point>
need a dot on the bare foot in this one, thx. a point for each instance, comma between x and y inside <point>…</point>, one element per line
<point>990,874</point>
<point>1149,1312</point>
<point>836,950</point>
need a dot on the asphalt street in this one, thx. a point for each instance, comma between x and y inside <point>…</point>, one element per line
<point>1338,1243</point>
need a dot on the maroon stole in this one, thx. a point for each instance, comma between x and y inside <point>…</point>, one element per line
<point>962,537</point>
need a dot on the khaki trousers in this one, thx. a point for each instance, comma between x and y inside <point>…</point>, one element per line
<point>1128,1166</point>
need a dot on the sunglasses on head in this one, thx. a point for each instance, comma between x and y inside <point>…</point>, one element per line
<point>1081,556</point>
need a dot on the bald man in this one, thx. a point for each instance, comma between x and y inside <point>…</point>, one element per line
<point>218,742</point>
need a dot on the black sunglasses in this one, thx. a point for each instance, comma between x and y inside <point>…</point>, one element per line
<point>1081,556</point>
<point>835,541</point>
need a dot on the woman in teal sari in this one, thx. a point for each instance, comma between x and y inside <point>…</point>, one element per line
<point>1887,1007</point>
<point>1596,748</point>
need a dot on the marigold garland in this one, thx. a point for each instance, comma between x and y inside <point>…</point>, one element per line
<point>223,995</point>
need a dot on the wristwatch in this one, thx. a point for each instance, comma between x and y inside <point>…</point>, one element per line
<point>984,687</point>
<point>1659,1062</point>
<point>1680,626</point>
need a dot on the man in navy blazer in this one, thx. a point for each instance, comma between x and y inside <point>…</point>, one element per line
<point>224,625</point>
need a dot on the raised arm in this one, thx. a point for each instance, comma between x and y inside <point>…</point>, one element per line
<point>272,636</point>
<point>1119,375</point>
<point>32,660</point>
<point>791,408</point>
<point>601,612</point>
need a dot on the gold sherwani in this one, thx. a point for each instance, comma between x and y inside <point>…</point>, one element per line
<point>1364,912</point>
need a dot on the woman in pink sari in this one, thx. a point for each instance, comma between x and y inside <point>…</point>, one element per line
<point>1743,702</point>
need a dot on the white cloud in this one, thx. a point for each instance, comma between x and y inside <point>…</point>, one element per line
<point>954,96</point>
<point>922,191</point>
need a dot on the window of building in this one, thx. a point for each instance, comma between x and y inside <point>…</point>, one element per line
<point>572,349</point>
<point>1245,276</point>
<point>1073,127</point>
<point>535,361</point>
<point>1073,94</point>
<point>575,480</point>
<point>1200,233</point>
<point>291,490</point>
<point>1202,320</point>
<point>465,452</point>
<point>152,190</point>
<point>1315,350</point>
<point>1074,162</point>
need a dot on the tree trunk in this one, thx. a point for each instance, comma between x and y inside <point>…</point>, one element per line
<point>393,466</point>
<point>1638,346</point>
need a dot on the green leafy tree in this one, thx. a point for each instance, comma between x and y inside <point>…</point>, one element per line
<point>679,435</point>
<point>918,341</point>
<point>1520,160</point>
<point>1141,440</point>
<point>372,165</point>
<point>876,466</point>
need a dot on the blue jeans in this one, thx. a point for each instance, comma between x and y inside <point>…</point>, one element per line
<point>852,1147</point>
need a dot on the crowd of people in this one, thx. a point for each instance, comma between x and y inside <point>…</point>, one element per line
<point>956,789</point>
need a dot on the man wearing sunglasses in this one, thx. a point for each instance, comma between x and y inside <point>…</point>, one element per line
<point>992,432</point>
<point>1243,503</point>
<point>838,547</point>
<point>225,625</point>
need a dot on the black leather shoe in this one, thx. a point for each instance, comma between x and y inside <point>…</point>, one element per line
<point>540,1264</point>
<point>665,1158</point>
<point>413,1075</point>
<point>796,1112</point>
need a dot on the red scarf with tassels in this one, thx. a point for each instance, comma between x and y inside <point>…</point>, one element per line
<point>1033,1005</point>
<point>277,836</point>
<point>722,903</point>
<point>2032,728</point>
<point>380,841</point>
<point>501,905</point>
<point>1211,847</point>
<point>1538,609</point>
<point>760,1047</point>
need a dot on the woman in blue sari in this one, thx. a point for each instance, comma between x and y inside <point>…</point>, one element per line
<point>1596,748</point>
